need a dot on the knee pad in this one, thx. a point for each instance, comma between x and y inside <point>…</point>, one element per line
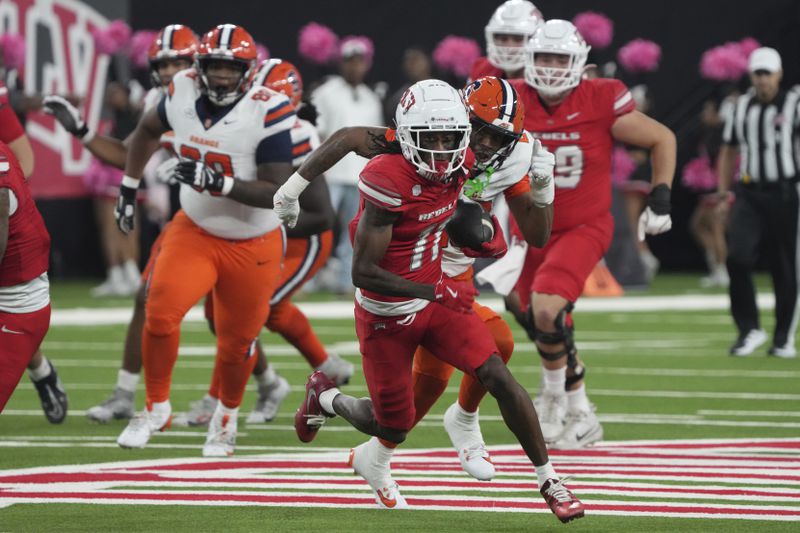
<point>161,325</point>
<point>564,333</point>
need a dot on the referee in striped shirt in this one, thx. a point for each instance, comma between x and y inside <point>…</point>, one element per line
<point>763,128</point>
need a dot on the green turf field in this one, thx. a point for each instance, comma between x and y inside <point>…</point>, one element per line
<point>661,375</point>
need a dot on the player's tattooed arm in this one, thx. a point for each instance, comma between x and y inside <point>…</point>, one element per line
<point>364,141</point>
<point>5,210</point>
<point>534,222</point>
<point>373,234</point>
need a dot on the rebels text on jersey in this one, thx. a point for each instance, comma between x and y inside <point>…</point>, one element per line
<point>578,132</point>
<point>229,142</point>
<point>414,252</point>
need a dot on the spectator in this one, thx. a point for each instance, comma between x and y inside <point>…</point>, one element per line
<point>345,100</point>
<point>417,66</point>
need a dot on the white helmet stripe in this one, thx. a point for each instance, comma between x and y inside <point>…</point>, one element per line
<point>226,35</point>
<point>166,41</point>
<point>509,103</point>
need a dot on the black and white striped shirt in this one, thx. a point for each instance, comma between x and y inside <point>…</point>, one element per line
<point>767,135</point>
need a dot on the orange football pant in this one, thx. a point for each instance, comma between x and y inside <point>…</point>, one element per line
<point>242,274</point>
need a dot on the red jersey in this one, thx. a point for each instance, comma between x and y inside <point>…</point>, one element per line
<point>482,68</point>
<point>415,252</point>
<point>578,132</point>
<point>10,127</point>
<point>28,248</point>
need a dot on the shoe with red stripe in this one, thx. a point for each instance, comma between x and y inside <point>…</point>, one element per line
<point>371,461</point>
<point>310,416</point>
<point>562,502</point>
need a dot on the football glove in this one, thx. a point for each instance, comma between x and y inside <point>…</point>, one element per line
<point>202,177</point>
<point>656,218</point>
<point>495,248</point>
<point>455,295</point>
<point>165,172</point>
<point>541,175</point>
<point>68,116</point>
<point>125,209</point>
<point>285,203</point>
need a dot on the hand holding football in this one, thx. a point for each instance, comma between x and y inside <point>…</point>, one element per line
<point>470,226</point>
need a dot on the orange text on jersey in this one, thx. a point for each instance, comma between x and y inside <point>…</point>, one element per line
<point>204,142</point>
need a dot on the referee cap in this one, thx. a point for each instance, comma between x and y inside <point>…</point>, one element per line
<point>765,58</point>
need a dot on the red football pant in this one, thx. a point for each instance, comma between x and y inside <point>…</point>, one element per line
<point>388,345</point>
<point>20,336</point>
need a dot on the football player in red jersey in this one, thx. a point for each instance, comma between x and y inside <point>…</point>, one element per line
<point>24,287</point>
<point>406,200</point>
<point>510,27</point>
<point>578,120</point>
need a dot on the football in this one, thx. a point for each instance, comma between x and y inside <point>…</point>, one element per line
<point>470,226</point>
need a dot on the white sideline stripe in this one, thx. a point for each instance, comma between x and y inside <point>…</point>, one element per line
<point>781,414</point>
<point>344,310</point>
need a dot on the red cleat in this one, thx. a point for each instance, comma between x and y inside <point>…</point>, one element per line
<point>562,502</point>
<point>310,416</point>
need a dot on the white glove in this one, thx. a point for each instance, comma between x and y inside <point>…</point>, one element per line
<point>541,175</point>
<point>165,171</point>
<point>285,203</point>
<point>68,116</point>
<point>652,224</point>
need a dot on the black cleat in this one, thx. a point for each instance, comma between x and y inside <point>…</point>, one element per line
<point>52,396</point>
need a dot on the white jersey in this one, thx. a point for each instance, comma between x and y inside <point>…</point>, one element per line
<point>485,188</point>
<point>305,139</point>
<point>228,145</point>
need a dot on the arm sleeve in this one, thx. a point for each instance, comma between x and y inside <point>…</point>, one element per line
<point>275,148</point>
<point>162,113</point>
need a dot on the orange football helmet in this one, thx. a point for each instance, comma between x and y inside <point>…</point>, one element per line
<point>227,42</point>
<point>493,103</point>
<point>175,41</point>
<point>281,76</point>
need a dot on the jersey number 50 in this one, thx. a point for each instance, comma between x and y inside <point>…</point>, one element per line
<point>569,166</point>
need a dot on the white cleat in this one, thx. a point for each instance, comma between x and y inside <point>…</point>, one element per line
<point>583,428</point>
<point>337,369</point>
<point>552,411</point>
<point>141,428</point>
<point>200,412</point>
<point>270,398</point>
<point>748,343</point>
<point>117,406</point>
<point>221,438</point>
<point>465,434</point>
<point>364,461</point>
<point>787,351</point>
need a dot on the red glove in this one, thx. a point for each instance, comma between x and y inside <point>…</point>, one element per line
<point>495,248</point>
<point>456,295</point>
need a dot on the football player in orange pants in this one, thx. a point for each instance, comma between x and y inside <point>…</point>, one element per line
<point>236,148</point>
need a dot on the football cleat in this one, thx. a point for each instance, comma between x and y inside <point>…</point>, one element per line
<point>748,342</point>
<point>52,396</point>
<point>141,428</point>
<point>221,437</point>
<point>337,369</point>
<point>364,461</point>
<point>310,416</point>
<point>561,501</point>
<point>787,351</point>
<point>552,411</point>
<point>270,398</point>
<point>468,441</point>
<point>200,412</point>
<point>582,429</point>
<point>117,406</point>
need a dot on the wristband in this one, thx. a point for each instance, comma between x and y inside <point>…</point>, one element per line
<point>130,183</point>
<point>227,185</point>
<point>85,135</point>
<point>294,186</point>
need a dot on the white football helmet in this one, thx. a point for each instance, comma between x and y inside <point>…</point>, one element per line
<point>514,17</point>
<point>432,106</point>
<point>555,37</point>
